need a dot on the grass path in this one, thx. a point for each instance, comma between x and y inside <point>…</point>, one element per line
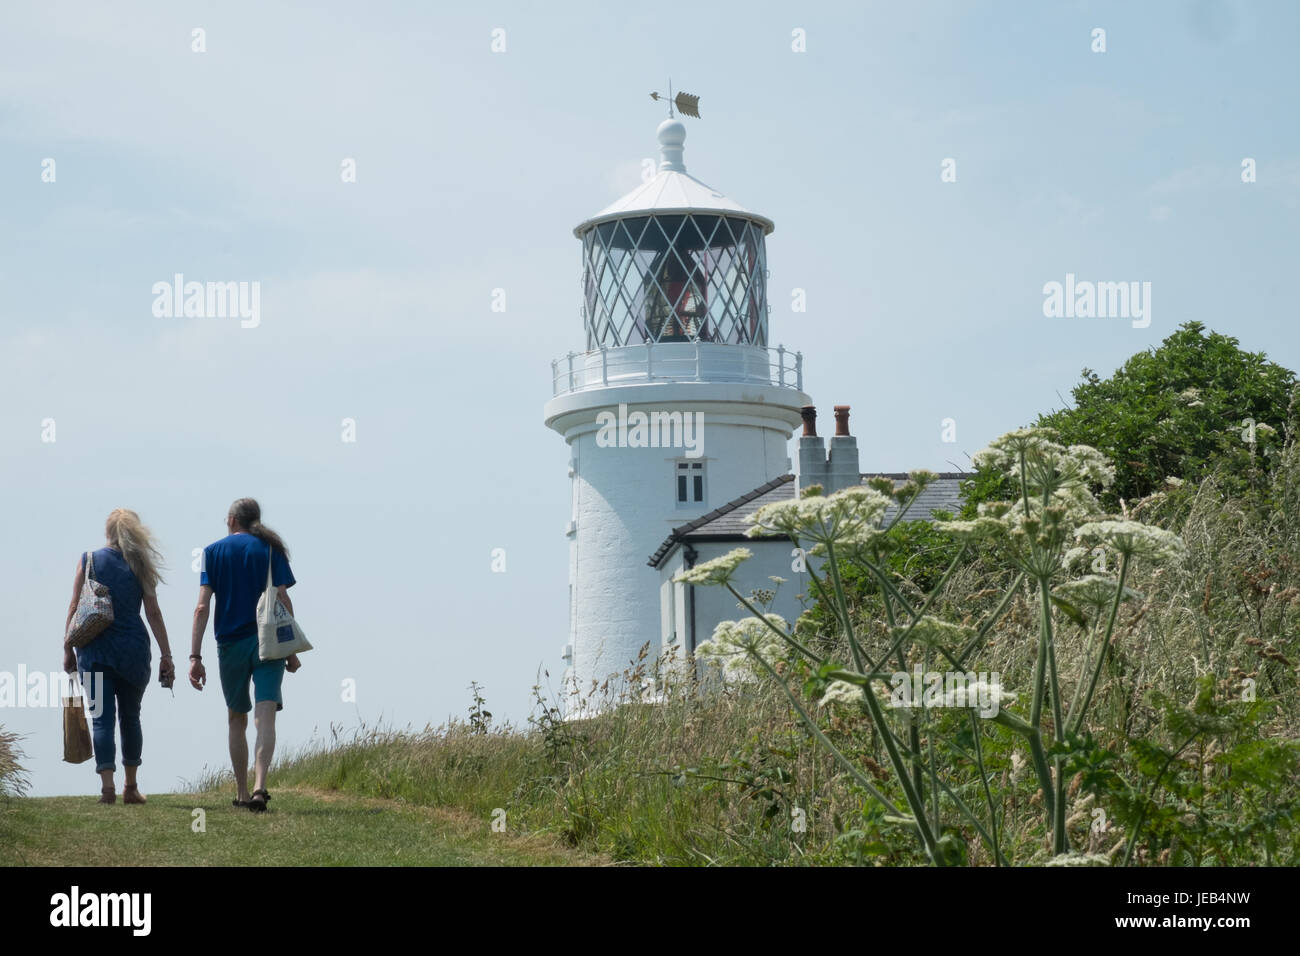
<point>304,827</point>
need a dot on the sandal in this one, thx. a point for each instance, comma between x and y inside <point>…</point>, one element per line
<point>239,803</point>
<point>108,795</point>
<point>258,802</point>
<point>132,794</point>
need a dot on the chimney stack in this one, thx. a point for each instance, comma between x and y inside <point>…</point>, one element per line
<point>838,470</point>
<point>842,469</point>
<point>841,420</point>
<point>809,413</point>
<point>812,451</point>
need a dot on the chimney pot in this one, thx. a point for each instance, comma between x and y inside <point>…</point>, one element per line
<point>841,419</point>
<point>809,413</point>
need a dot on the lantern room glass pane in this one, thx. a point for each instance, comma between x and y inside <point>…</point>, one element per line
<point>675,278</point>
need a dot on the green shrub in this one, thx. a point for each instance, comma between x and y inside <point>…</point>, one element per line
<point>1181,410</point>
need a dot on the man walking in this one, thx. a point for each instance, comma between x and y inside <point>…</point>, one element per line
<point>234,573</point>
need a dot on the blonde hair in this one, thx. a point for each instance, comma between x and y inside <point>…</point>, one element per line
<point>136,542</point>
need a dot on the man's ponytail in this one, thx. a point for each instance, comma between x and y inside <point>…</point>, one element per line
<point>248,516</point>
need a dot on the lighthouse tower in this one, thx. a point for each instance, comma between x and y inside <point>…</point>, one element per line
<point>676,406</point>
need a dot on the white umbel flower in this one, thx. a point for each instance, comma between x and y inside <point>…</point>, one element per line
<point>1078,859</point>
<point>1134,538</point>
<point>733,642</point>
<point>841,692</point>
<point>715,572</point>
<point>930,631</point>
<point>1094,590</point>
<point>850,516</point>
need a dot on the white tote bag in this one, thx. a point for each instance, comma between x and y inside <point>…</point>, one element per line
<point>278,634</point>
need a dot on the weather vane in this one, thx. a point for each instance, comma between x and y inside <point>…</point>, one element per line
<point>687,104</point>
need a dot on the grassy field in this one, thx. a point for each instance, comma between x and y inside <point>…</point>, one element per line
<point>305,827</point>
<point>1191,755</point>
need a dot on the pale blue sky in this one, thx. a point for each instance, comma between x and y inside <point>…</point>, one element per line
<point>924,298</point>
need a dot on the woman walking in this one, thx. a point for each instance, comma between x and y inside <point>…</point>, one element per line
<point>119,655</point>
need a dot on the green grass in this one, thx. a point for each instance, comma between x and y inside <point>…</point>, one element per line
<point>720,776</point>
<point>304,827</point>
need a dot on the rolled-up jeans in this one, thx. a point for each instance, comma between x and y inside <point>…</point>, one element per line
<point>121,703</point>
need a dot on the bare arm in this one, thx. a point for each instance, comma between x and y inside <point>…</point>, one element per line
<point>199,673</point>
<point>153,614</point>
<point>282,595</point>
<point>201,619</point>
<point>282,592</point>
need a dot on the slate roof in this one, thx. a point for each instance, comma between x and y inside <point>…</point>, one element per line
<point>731,516</point>
<point>728,522</point>
<point>941,495</point>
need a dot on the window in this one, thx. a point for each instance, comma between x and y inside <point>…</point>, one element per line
<point>690,483</point>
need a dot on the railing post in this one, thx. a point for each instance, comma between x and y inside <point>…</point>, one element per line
<point>697,360</point>
<point>648,370</point>
<point>555,378</point>
<point>798,366</point>
<point>780,364</point>
<point>571,371</point>
<point>604,368</point>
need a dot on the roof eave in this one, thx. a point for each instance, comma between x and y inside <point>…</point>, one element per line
<point>681,531</point>
<point>767,224</point>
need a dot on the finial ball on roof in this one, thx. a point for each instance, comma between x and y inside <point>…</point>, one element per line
<point>672,133</point>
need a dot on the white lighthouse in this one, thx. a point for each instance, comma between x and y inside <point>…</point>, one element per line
<point>677,405</point>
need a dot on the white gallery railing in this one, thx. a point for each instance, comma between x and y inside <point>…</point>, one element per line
<point>677,362</point>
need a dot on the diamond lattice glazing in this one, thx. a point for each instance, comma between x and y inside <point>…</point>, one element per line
<point>675,278</point>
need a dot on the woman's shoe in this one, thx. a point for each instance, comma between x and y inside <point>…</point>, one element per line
<point>132,794</point>
<point>258,803</point>
<point>108,795</point>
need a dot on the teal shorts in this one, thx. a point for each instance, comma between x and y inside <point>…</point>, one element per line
<point>239,663</point>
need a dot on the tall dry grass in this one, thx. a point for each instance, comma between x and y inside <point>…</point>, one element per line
<point>672,771</point>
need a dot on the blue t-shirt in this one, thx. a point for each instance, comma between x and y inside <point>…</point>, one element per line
<point>235,569</point>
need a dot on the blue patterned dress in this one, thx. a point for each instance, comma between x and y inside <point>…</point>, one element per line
<point>123,646</point>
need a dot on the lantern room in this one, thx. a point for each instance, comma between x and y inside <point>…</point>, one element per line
<point>674,261</point>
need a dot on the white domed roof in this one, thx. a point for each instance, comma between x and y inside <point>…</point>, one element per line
<point>672,190</point>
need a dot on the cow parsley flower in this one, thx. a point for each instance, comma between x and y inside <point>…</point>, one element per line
<point>841,692</point>
<point>733,643</point>
<point>1004,452</point>
<point>986,696</point>
<point>1074,558</point>
<point>717,571</point>
<point>1085,463</point>
<point>850,516</point>
<point>1078,859</point>
<point>1135,538</point>
<point>932,632</point>
<point>971,530</point>
<point>1094,590</point>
